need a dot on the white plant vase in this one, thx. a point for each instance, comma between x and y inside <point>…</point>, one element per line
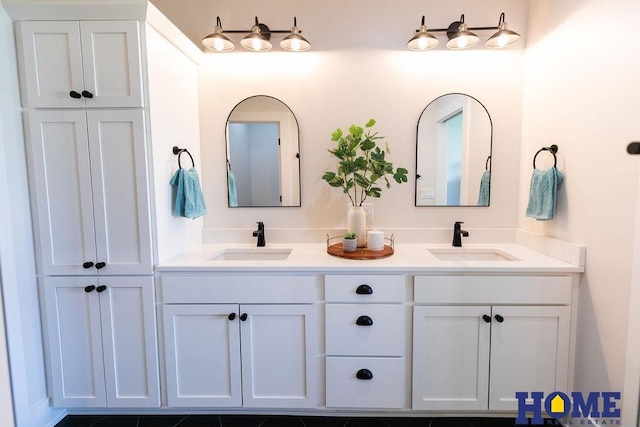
<point>357,223</point>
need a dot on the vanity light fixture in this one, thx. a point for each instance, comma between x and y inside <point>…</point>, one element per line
<point>462,37</point>
<point>257,39</point>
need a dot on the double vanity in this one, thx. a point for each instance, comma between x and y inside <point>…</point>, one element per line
<point>431,329</point>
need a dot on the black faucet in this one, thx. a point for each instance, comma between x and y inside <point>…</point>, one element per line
<point>259,233</point>
<point>458,233</point>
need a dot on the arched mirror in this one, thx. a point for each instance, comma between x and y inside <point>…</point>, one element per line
<point>263,160</point>
<point>453,152</point>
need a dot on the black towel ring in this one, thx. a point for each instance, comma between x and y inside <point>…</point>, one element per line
<point>553,150</point>
<point>178,152</point>
<point>487,164</point>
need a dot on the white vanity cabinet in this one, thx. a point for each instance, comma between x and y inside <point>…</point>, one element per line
<point>365,341</point>
<point>479,339</point>
<point>77,64</point>
<point>240,341</point>
<point>89,176</point>
<point>101,336</point>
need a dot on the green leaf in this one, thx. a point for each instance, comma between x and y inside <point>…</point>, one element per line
<point>356,131</point>
<point>367,145</point>
<point>370,123</point>
<point>374,192</point>
<point>335,136</point>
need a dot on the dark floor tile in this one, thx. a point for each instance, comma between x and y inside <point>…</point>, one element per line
<point>200,421</point>
<point>366,422</point>
<point>241,420</point>
<point>282,421</point>
<point>324,421</point>
<point>407,422</point>
<point>450,422</point>
<point>493,422</point>
<point>118,421</point>
<point>79,420</point>
<point>161,420</point>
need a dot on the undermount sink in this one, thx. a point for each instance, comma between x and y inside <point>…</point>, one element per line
<point>472,254</point>
<point>251,254</point>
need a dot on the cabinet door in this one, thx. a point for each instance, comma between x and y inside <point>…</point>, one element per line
<point>61,172</point>
<point>529,352</point>
<point>120,191</point>
<point>279,366</point>
<point>202,355</point>
<point>72,315</point>
<point>51,61</point>
<point>111,63</point>
<point>451,357</point>
<point>127,307</point>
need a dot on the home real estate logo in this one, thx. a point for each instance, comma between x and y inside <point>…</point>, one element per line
<point>598,408</point>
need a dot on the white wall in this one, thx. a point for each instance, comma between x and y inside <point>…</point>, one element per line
<point>338,82</point>
<point>582,93</point>
<point>19,285</point>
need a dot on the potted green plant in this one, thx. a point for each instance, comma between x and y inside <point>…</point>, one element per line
<point>362,167</point>
<point>349,242</point>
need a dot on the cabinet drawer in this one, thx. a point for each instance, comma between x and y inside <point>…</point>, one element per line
<point>345,337</point>
<point>364,288</point>
<point>492,290</point>
<point>234,289</point>
<point>385,389</point>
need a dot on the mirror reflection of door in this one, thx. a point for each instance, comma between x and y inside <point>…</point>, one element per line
<point>453,150</point>
<point>255,153</point>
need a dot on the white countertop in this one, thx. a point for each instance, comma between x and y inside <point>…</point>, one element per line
<point>407,258</point>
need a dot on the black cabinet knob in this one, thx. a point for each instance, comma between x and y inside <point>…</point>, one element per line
<point>87,264</point>
<point>232,316</point>
<point>100,265</point>
<point>243,316</point>
<point>364,321</point>
<point>364,290</point>
<point>486,318</point>
<point>364,374</point>
<point>101,288</point>
<point>89,288</point>
<point>75,94</point>
<point>499,318</point>
<point>87,94</point>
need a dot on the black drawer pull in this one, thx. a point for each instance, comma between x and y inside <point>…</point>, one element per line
<point>364,321</point>
<point>364,374</point>
<point>87,264</point>
<point>89,288</point>
<point>486,318</point>
<point>499,318</point>
<point>101,288</point>
<point>232,316</point>
<point>75,94</point>
<point>243,316</point>
<point>364,290</point>
<point>100,265</point>
<point>87,94</point>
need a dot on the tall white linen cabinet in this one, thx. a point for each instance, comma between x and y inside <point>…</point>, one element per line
<point>99,184</point>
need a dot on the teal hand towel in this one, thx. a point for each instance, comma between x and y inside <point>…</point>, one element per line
<point>483,194</point>
<point>543,193</point>
<point>189,202</point>
<point>233,192</point>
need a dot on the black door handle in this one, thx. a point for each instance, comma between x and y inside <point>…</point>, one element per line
<point>87,94</point>
<point>486,318</point>
<point>100,265</point>
<point>364,290</point>
<point>75,94</point>
<point>87,264</point>
<point>232,316</point>
<point>499,318</point>
<point>364,321</point>
<point>243,316</point>
<point>89,288</point>
<point>364,374</point>
<point>101,288</point>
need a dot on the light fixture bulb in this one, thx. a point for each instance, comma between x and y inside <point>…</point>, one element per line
<point>423,39</point>
<point>256,41</point>
<point>463,39</point>
<point>217,41</point>
<point>504,36</point>
<point>294,42</point>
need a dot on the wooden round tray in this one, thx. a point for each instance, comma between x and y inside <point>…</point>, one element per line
<point>360,253</point>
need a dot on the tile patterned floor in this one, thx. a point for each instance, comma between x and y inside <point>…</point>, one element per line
<point>273,421</point>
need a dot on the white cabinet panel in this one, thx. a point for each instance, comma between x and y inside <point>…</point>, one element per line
<point>86,316</point>
<point>529,352</point>
<point>202,351</point>
<point>451,357</point>
<point>71,64</point>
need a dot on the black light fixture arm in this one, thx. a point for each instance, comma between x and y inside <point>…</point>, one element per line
<point>264,29</point>
<point>454,25</point>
